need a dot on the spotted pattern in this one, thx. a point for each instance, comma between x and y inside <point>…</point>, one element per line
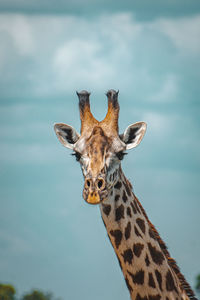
<point>170,285</point>
<point>137,232</point>
<point>119,213</point>
<point>127,232</point>
<point>127,189</point>
<point>138,277</point>
<point>137,249</point>
<point>117,234</point>
<point>156,255</point>
<point>124,197</point>
<point>133,208</point>
<point>141,224</point>
<point>152,234</point>
<point>138,297</point>
<point>147,260</point>
<point>128,256</point>
<point>136,205</point>
<point>106,209</point>
<point>159,279</point>
<point>151,281</point>
<point>118,185</point>
<point>117,197</point>
<point>128,211</point>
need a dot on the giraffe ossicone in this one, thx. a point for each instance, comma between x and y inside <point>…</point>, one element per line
<point>149,271</point>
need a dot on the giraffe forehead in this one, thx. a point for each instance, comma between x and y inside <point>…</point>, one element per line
<point>101,143</point>
<point>96,148</point>
<point>94,145</point>
<point>98,145</point>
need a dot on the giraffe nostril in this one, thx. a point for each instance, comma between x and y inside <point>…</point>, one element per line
<point>100,183</point>
<point>88,182</point>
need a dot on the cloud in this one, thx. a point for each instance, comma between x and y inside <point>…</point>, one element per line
<point>19,30</point>
<point>79,62</point>
<point>46,55</point>
<point>183,32</point>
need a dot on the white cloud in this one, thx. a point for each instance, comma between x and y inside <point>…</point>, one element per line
<point>19,29</point>
<point>50,54</point>
<point>67,53</point>
<point>184,32</point>
<point>78,62</point>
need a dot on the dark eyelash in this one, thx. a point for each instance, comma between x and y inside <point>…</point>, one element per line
<point>120,154</point>
<point>78,155</point>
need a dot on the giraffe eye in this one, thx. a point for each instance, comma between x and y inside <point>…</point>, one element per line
<point>77,155</point>
<point>120,155</point>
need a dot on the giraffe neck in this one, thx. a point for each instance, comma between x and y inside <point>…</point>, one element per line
<point>149,272</point>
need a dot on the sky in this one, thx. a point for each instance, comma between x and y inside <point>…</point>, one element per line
<point>150,50</point>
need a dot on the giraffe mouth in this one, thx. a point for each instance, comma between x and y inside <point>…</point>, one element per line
<point>94,197</point>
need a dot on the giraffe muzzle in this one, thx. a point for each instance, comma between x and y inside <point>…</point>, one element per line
<point>94,190</point>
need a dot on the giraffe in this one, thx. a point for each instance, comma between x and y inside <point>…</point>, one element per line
<point>149,271</point>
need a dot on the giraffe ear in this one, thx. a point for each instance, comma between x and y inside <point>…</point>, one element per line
<point>66,134</point>
<point>133,134</point>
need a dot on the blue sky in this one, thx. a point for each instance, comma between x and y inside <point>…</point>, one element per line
<point>150,50</point>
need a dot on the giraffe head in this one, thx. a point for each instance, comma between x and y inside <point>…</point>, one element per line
<point>99,148</point>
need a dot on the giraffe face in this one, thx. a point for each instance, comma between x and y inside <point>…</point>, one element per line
<point>100,157</point>
<point>99,148</point>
